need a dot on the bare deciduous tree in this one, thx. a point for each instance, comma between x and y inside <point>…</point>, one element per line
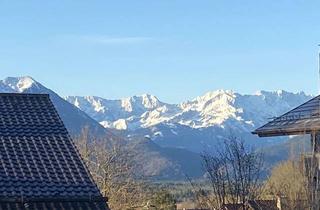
<point>114,170</point>
<point>233,172</point>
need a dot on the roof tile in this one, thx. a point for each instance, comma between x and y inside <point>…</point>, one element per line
<point>301,120</point>
<point>37,156</point>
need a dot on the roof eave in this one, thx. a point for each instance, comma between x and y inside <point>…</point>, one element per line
<point>282,132</point>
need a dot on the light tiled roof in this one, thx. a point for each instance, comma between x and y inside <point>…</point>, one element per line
<point>38,160</point>
<point>301,120</point>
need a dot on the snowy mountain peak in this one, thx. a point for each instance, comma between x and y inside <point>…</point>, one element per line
<point>20,84</point>
<point>145,101</point>
<point>216,95</point>
<point>278,93</point>
<point>150,101</point>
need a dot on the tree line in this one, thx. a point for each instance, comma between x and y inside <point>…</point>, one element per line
<point>232,175</point>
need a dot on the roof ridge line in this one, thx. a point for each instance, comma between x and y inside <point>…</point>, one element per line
<point>24,94</point>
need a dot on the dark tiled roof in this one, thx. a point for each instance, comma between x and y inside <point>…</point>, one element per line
<point>254,205</point>
<point>301,120</point>
<point>53,205</point>
<point>232,207</point>
<point>38,159</point>
<point>263,204</point>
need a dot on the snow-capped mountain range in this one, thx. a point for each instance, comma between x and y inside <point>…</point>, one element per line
<point>191,124</point>
<point>222,108</point>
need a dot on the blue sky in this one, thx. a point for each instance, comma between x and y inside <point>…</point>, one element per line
<point>175,49</point>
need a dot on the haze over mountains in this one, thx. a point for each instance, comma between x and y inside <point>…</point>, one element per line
<point>169,137</point>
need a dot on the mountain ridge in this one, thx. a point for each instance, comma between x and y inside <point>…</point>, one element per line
<point>207,118</point>
<point>127,108</point>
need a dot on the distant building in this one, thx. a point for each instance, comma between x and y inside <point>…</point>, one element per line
<point>250,205</point>
<point>40,167</point>
<point>188,205</point>
<point>254,205</point>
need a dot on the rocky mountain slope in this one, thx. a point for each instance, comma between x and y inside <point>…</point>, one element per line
<point>194,124</point>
